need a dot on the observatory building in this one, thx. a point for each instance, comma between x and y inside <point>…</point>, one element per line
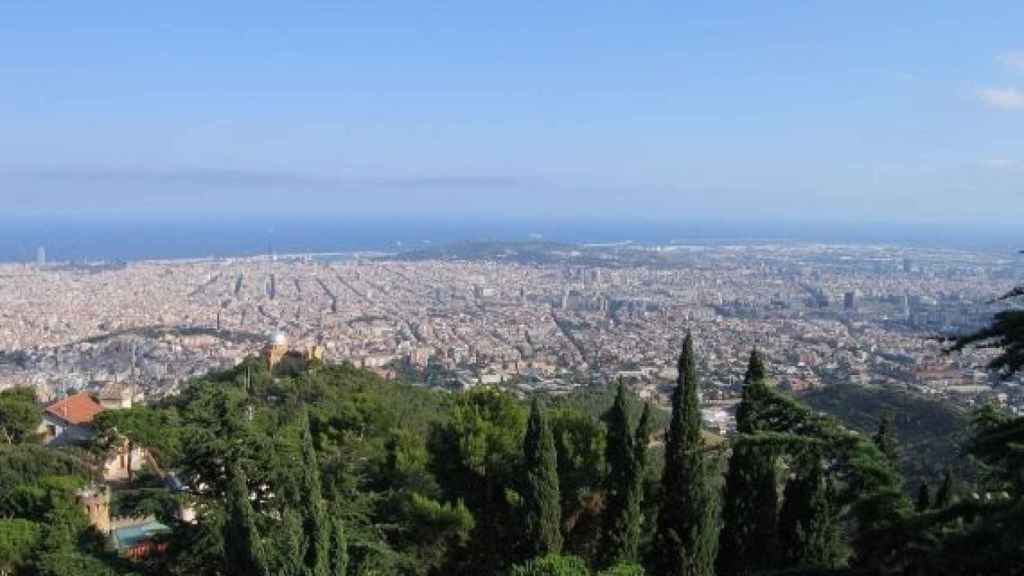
<point>276,349</point>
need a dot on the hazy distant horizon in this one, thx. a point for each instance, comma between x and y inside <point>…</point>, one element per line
<point>109,239</point>
<point>742,111</point>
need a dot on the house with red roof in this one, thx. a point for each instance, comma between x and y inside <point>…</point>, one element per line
<point>69,421</point>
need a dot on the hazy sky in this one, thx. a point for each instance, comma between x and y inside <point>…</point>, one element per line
<point>892,111</point>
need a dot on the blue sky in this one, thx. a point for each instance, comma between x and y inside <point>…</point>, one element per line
<point>881,111</point>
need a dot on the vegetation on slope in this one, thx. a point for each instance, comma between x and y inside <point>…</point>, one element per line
<point>330,470</point>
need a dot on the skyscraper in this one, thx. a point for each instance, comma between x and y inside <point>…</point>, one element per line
<point>41,256</point>
<point>850,301</point>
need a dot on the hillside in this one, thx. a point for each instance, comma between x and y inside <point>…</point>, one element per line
<point>930,432</point>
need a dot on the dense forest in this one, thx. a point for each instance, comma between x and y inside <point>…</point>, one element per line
<point>329,470</point>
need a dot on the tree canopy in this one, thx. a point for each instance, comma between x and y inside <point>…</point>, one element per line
<point>330,470</point>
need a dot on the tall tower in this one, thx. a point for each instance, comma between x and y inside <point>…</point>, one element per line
<point>850,301</point>
<point>96,502</point>
<point>41,256</point>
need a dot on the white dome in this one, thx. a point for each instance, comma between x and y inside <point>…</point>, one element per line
<point>279,339</point>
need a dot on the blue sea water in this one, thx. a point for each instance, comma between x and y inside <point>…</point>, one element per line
<point>125,240</point>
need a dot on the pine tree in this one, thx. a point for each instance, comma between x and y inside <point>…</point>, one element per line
<point>244,552</point>
<point>885,439</point>
<point>620,532</point>
<point>1006,332</point>
<point>541,498</point>
<point>923,499</point>
<point>750,513</point>
<point>808,529</point>
<point>687,537</point>
<point>315,522</point>
<point>947,492</point>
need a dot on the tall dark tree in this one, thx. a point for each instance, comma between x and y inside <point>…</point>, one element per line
<point>756,371</point>
<point>924,499</point>
<point>633,513</point>
<point>289,545</point>
<point>808,528</point>
<point>541,499</point>
<point>885,438</point>
<point>750,510</point>
<point>315,523</point>
<point>635,506</point>
<point>244,550</point>
<point>947,491</point>
<point>755,384</point>
<point>619,441</point>
<point>339,546</point>
<point>686,539</point>
<point>750,513</point>
<point>641,438</point>
<point>619,534</point>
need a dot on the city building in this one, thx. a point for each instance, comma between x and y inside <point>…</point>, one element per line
<point>275,350</point>
<point>116,396</point>
<point>850,301</point>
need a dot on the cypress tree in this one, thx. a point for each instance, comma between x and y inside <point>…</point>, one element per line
<point>755,369</point>
<point>944,497</point>
<point>632,517</point>
<point>244,552</point>
<point>641,439</point>
<point>541,499</point>
<point>755,383</point>
<point>885,439</point>
<point>923,499</point>
<point>291,545</point>
<point>315,523</point>
<point>619,533</point>
<point>808,529</point>
<point>619,445</point>
<point>750,514</point>
<point>339,546</point>
<point>687,537</point>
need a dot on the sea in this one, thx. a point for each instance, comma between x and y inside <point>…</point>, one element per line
<point>120,240</point>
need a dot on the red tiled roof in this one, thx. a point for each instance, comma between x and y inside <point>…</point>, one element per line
<point>78,409</point>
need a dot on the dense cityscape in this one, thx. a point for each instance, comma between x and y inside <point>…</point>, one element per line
<point>530,315</point>
<point>511,289</point>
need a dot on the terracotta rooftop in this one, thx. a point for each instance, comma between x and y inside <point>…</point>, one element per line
<point>78,409</point>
